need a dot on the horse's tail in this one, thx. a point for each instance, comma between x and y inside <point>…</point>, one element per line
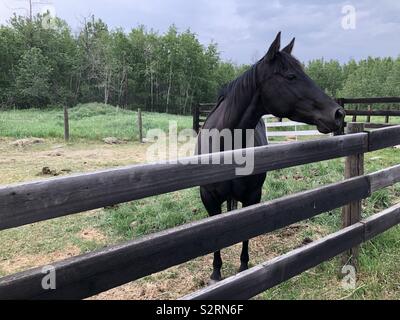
<point>231,204</point>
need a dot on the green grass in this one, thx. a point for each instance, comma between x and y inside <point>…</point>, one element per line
<point>149,215</point>
<point>93,121</point>
<point>62,229</point>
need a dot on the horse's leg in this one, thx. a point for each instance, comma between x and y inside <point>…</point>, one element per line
<point>244,256</point>
<point>213,207</point>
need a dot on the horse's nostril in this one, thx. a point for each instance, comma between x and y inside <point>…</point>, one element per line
<point>339,115</point>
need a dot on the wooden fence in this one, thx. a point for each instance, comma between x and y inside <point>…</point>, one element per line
<point>370,102</point>
<point>201,111</point>
<point>89,274</point>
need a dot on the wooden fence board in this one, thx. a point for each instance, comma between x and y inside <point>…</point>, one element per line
<point>249,283</point>
<point>384,178</point>
<point>262,277</point>
<point>394,113</point>
<point>381,222</point>
<point>371,100</point>
<point>383,138</point>
<point>41,200</point>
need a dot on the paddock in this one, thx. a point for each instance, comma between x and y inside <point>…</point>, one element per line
<point>89,274</point>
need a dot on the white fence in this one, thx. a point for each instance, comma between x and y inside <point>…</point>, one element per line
<point>289,134</point>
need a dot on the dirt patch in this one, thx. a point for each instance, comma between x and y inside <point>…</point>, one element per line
<point>92,235</point>
<point>24,164</point>
<point>31,261</point>
<point>46,171</point>
<point>291,230</point>
<point>55,154</point>
<point>27,142</point>
<point>113,140</point>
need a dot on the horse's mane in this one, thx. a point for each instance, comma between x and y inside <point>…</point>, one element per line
<point>236,89</point>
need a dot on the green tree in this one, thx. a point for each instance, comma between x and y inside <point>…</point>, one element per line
<point>369,79</point>
<point>33,79</point>
<point>328,75</point>
<point>392,85</point>
<point>9,57</point>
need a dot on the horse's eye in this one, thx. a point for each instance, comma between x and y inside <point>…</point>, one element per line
<point>291,76</point>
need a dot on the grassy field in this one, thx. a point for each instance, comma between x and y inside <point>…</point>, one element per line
<point>42,243</point>
<point>93,121</point>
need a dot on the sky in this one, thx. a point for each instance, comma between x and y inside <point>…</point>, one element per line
<point>330,29</point>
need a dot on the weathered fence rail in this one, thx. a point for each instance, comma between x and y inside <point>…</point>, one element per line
<point>370,102</point>
<point>47,199</point>
<point>395,113</point>
<point>271,273</point>
<point>88,274</point>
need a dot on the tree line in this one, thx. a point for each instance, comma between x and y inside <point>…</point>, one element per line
<point>44,65</point>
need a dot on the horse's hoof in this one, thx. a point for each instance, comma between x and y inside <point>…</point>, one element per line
<point>215,277</point>
<point>212,281</point>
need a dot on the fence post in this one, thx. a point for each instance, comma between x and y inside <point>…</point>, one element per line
<point>369,116</point>
<point>351,214</point>
<point>140,125</point>
<point>66,124</point>
<point>355,116</point>
<point>387,117</point>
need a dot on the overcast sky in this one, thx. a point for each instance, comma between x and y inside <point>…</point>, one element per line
<point>244,29</point>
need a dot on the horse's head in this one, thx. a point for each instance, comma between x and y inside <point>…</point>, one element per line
<point>287,91</point>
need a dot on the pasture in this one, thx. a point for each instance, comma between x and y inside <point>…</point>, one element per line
<point>92,121</point>
<point>52,240</point>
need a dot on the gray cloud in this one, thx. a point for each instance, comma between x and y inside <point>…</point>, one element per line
<point>244,29</point>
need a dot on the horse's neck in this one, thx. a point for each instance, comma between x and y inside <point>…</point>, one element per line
<point>245,115</point>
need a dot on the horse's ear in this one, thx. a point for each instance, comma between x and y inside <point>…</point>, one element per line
<point>274,48</point>
<point>289,47</point>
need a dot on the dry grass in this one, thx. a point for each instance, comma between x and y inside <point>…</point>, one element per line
<point>25,162</point>
<point>27,261</point>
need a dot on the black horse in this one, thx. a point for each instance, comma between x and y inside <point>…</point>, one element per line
<point>277,85</point>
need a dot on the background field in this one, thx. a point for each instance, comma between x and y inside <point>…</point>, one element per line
<point>96,121</point>
<point>42,243</point>
<point>92,121</point>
